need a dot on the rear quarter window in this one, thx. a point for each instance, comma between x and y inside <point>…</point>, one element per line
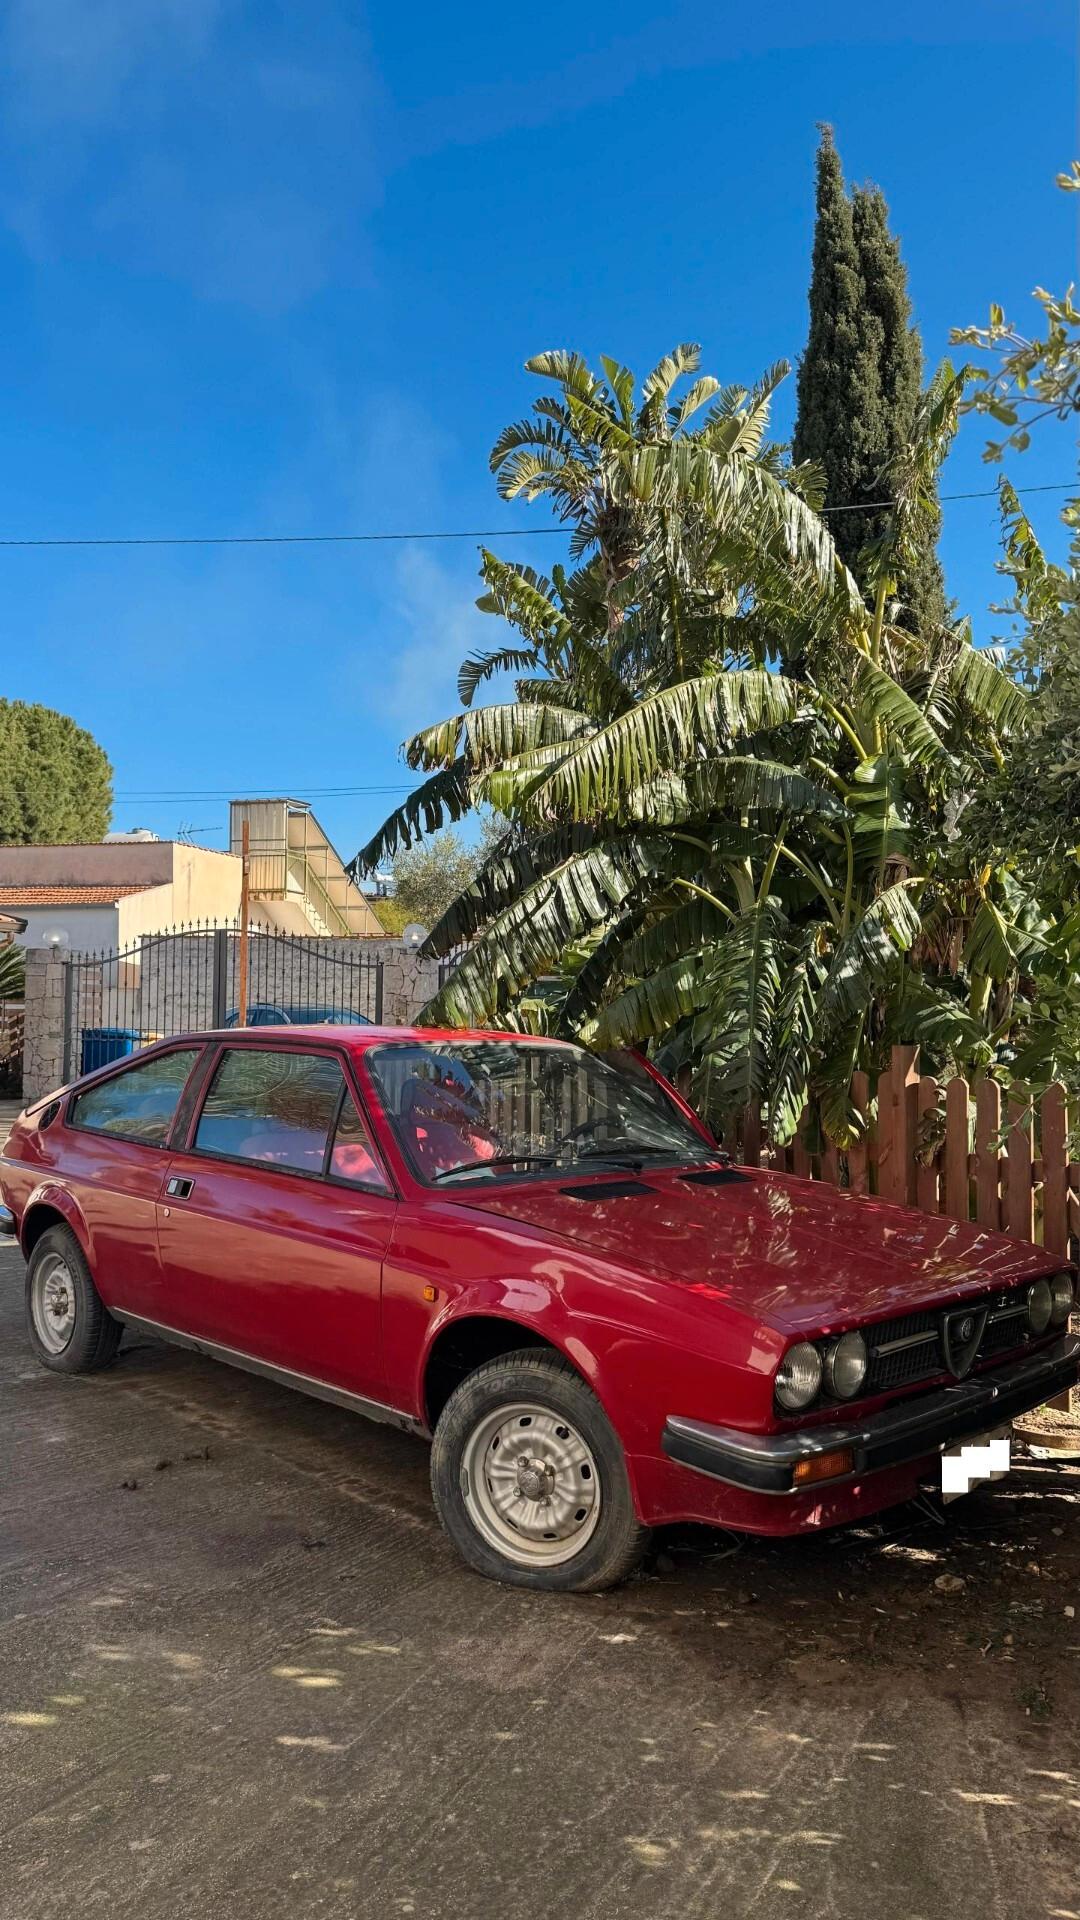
<point>138,1103</point>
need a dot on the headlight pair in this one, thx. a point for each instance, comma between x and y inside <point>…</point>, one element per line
<point>1050,1302</point>
<point>840,1365</point>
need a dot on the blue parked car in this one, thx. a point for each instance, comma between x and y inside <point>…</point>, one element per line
<point>262,1014</point>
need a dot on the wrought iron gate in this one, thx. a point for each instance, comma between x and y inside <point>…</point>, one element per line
<point>11,1045</point>
<point>187,982</point>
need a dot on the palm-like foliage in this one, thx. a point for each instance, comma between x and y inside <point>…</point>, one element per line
<point>732,787</point>
<point>12,972</point>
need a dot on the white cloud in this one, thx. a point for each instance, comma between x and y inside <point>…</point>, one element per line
<point>431,622</point>
<point>71,60</point>
<point>268,248</point>
<point>169,138</point>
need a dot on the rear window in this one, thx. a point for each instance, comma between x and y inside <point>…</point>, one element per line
<point>139,1102</point>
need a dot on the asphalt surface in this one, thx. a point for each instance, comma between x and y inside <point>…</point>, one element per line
<point>242,1673</point>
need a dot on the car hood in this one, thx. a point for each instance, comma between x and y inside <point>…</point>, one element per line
<point>804,1257</point>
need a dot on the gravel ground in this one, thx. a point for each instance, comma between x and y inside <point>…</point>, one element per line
<point>242,1673</point>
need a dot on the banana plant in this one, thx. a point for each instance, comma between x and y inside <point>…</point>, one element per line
<point>12,972</point>
<point>732,787</point>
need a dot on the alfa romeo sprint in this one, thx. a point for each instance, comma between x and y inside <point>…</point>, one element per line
<point>539,1259</point>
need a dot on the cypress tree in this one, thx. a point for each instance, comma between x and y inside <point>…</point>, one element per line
<point>896,342</point>
<point>830,369</point>
<point>860,377</point>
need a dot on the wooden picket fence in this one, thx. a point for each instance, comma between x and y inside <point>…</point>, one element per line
<point>1003,1163</point>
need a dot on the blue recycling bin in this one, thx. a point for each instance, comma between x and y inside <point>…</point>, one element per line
<point>102,1044</point>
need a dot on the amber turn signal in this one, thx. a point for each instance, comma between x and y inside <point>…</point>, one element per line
<point>823,1466</point>
<point>431,1293</point>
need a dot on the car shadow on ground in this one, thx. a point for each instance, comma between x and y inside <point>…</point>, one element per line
<point>243,1663</point>
<point>983,1585</point>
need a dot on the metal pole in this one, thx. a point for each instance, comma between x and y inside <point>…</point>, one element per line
<point>242,985</point>
<point>220,1008</point>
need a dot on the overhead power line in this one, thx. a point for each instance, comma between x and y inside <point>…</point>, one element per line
<point>480,533</point>
<point>257,793</point>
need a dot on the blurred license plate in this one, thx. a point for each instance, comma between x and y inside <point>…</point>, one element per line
<point>986,1457</point>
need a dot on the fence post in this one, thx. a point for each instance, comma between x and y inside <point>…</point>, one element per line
<point>987,1171</point>
<point>957,1174</point>
<point>1020,1211</point>
<point>242,978</point>
<point>926,1173</point>
<point>896,1126</point>
<point>751,1139</point>
<point>1055,1136</point>
<point>69,984</point>
<point>220,980</point>
<point>379,992</point>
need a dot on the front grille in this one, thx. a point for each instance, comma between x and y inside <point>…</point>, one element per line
<point>913,1345</point>
<point>917,1361</point>
<point>1002,1334</point>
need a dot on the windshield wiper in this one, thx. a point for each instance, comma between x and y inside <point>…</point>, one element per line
<point>497,1160</point>
<point>633,1157</point>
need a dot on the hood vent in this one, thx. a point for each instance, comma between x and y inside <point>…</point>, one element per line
<point>714,1177</point>
<point>607,1190</point>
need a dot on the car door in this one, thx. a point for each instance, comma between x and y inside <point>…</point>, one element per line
<point>112,1152</point>
<point>274,1221</point>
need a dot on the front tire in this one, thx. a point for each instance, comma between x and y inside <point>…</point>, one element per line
<point>70,1328</point>
<point>529,1478</point>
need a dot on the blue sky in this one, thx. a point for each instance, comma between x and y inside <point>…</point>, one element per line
<point>276,269</point>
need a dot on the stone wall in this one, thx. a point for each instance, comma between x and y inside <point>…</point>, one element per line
<point>43,1034</point>
<point>172,990</point>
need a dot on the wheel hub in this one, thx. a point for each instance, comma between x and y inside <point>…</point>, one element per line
<point>53,1303</point>
<point>535,1480</point>
<point>531,1485</point>
<point>57,1300</point>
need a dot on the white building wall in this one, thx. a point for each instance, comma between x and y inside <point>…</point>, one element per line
<point>89,929</point>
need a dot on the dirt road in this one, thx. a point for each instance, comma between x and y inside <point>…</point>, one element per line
<point>241,1673</point>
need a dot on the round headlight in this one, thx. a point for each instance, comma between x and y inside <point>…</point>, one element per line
<point>1040,1305</point>
<point>845,1365</point>
<point>798,1380</point>
<point>1061,1296</point>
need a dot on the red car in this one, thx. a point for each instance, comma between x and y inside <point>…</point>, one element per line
<point>539,1258</point>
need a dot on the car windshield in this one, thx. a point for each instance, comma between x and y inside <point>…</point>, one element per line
<point>488,1109</point>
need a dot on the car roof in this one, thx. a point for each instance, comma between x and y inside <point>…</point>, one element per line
<point>360,1039</point>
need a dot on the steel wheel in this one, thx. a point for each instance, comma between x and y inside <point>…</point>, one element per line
<point>52,1303</point>
<point>530,1485</point>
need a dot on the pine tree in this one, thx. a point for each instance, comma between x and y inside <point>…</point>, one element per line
<point>860,376</point>
<point>55,781</point>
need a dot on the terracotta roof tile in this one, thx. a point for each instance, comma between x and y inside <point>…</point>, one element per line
<point>66,896</point>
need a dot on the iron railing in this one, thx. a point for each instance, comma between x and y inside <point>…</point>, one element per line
<point>12,1017</point>
<point>187,981</point>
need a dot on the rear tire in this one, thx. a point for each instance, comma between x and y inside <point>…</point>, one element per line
<point>530,1481</point>
<point>70,1328</point>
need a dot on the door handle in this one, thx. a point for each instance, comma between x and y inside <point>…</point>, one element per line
<point>178,1188</point>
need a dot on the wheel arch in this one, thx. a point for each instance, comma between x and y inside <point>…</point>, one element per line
<point>466,1340</point>
<point>51,1207</point>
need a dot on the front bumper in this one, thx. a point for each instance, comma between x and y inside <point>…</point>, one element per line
<point>910,1431</point>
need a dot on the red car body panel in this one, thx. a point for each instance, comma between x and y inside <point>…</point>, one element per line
<point>677,1300</point>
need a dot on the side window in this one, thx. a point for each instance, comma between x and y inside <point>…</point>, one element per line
<point>352,1157</point>
<point>138,1103</point>
<point>273,1108</point>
